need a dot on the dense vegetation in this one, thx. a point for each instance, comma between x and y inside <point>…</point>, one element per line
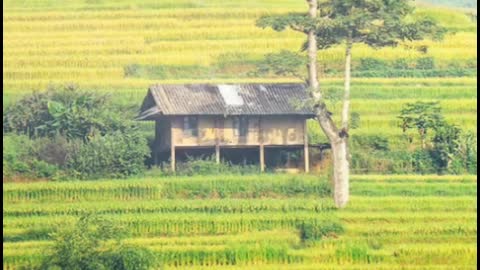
<point>259,222</point>
<point>218,42</point>
<point>224,221</point>
<point>71,133</point>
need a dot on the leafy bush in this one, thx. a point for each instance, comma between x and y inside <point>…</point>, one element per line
<point>446,144</point>
<point>129,258</point>
<point>84,246</point>
<point>71,113</point>
<point>374,142</point>
<point>423,162</point>
<point>318,229</point>
<point>114,155</point>
<point>372,64</point>
<point>400,63</point>
<point>20,158</point>
<point>70,130</point>
<point>425,63</point>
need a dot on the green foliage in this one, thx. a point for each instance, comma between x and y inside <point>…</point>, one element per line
<point>423,161</point>
<point>84,246</point>
<point>69,112</point>
<point>400,63</point>
<point>373,142</point>
<point>466,157</point>
<point>74,131</point>
<point>130,258</point>
<point>20,157</point>
<point>318,229</point>
<point>421,116</point>
<point>297,21</point>
<point>425,63</point>
<point>118,154</point>
<point>446,145</point>
<point>371,63</point>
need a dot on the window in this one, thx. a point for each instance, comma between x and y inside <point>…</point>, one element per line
<point>190,126</point>
<point>240,126</point>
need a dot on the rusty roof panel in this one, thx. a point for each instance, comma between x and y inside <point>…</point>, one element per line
<point>233,99</point>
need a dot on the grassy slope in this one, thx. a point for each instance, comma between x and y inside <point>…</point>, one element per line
<point>392,222</point>
<point>85,43</point>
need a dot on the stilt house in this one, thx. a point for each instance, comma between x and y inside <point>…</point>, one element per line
<point>249,117</point>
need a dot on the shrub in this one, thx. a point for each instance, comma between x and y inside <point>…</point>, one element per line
<point>425,63</point>
<point>20,158</point>
<point>15,151</point>
<point>423,162</point>
<point>129,258</point>
<point>84,246</point>
<point>51,150</point>
<point>372,64</point>
<point>318,229</point>
<point>446,145</point>
<point>114,155</point>
<point>71,113</point>
<point>400,63</point>
<point>374,142</point>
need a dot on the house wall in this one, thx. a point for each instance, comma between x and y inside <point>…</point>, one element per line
<point>163,136</point>
<point>275,130</point>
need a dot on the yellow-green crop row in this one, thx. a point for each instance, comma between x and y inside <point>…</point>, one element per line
<point>95,46</point>
<point>423,230</point>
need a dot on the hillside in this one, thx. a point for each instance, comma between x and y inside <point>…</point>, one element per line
<point>224,222</point>
<point>122,48</point>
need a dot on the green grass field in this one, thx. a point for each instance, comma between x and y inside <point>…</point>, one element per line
<point>238,222</point>
<point>91,43</point>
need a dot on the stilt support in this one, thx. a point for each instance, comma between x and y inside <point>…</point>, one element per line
<point>172,161</point>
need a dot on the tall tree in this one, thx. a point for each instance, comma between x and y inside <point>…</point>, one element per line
<point>377,23</point>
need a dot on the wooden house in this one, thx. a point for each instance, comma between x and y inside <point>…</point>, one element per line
<point>245,116</point>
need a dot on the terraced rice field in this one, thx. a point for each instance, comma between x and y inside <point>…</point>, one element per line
<point>91,46</point>
<point>91,43</point>
<point>238,222</point>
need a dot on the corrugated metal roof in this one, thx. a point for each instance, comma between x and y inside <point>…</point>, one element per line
<point>235,99</point>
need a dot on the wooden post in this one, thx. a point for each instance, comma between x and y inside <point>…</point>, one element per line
<point>172,146</point>
<point>217,141</point>
<point>262,150</point>
<point>305,147</point>
<point>262,158</point>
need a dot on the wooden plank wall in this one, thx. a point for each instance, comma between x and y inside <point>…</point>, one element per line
<point>276,130</point>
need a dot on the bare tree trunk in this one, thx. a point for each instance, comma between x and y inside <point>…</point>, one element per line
<point>337,139</point>
<point>346,94</point>
<point>312,54</point>
<point>341,171</point>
